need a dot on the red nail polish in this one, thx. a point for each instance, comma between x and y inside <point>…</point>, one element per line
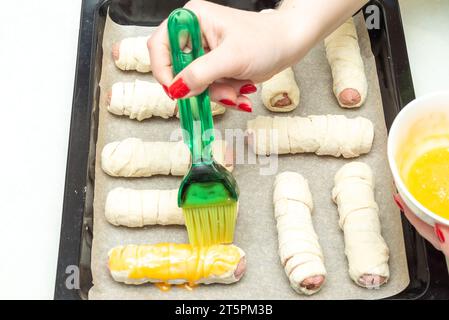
<point>178,89</point>
<point>398,203</point>
<point>245,107</point>
<point>248,88</point>
<point>439,233</point>
<point>227,102</point>
<point>166,91</point>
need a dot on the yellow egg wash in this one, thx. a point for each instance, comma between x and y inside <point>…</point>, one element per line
<point>428,180</point>
<point>163,286</point>
<point>170,261</point>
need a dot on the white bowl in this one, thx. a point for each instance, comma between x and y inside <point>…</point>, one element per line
<point>409,137</point>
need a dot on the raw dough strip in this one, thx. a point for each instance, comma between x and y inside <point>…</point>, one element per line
<point>299,248</point>
<point>333,135</point>
<point>281,93</point>
<point>143,99</point>
<point>172,263</point>
<point>343,53</point>
<point>365,248</point>
<point>132,54</point>
<point>133,157</point>
<point>138,208</point>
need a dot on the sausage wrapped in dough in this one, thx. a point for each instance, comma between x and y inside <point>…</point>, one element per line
<point>143,99</point>
<point>333,135</point>
<point>133,157</point>
<point>299,248</point>
<point>138,208</point>
<point>132,54</point>
<point>281,93</point>
<point>343,53</point>
<point>366,250</point>
<point>172,263</point>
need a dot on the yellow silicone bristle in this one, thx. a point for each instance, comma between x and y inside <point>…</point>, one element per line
<point>211,225</point>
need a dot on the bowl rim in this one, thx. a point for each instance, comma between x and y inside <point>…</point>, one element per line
<point>394,129</point>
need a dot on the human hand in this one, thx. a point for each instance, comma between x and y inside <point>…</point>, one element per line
<point>438,236</point>
<point>242,48</point>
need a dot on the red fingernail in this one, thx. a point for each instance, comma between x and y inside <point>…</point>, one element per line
<point>398,203</point>
<point>178,89</point>
<point>248,88</point>
<point>166,91</point>
<point>439,233</point>
<point>245,107</point>
<point>227,102</point>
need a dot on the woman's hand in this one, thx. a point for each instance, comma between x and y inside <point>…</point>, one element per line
<point>244,48</point>
<point>438,236</point>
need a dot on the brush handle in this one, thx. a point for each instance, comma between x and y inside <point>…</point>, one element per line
<point>194,113</point>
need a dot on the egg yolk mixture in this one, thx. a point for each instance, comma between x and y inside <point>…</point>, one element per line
<point>428,181</point>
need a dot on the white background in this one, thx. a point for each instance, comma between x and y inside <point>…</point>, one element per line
<point>38,45</point>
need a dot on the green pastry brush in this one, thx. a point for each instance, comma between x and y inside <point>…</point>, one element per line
<point>208,194</point>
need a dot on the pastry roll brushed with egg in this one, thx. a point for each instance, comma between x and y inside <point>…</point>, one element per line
<point>172,263</point>
<point>299,249</point>
<point>343,53</point>
<point>365,247</point>
<point>143,99</point>
<point>333,135</point>
<point>132,54</point>
<point>138,208</point>
<point>133,157</point>
<point>281,92</point>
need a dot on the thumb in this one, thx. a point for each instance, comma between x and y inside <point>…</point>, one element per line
<point>198,75</point>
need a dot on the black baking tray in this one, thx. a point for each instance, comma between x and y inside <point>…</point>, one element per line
<point>388,45</point>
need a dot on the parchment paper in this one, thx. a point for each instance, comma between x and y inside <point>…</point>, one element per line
<point>256,230</point>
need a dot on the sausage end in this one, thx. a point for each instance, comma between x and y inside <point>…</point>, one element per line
<point>109,98</point>
<point>240,270</point>
<point>281,100</point>
<point>349,97</point>
<point>371,281</point>
<point>313,283</point>
<point>116,51</point>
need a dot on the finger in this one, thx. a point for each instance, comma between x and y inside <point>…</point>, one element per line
<point>240,86</point>
<point>244,103</point>
<point>442,233</point>
<point>202,72</point>
<point>424,229</point>
<point>224,94</point>
<point>227,96</point>
<point>159,48</point>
